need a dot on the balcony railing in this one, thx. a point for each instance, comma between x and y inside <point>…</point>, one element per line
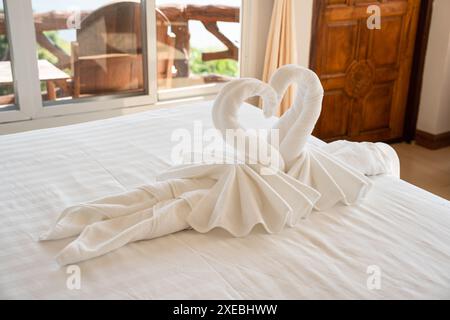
<point>172,21</point>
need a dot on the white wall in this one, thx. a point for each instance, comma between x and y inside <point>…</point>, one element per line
<point>434,111</point>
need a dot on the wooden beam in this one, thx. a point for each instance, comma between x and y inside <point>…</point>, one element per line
<point>179,17</point>
<point>63,58</point>
<point>209,13</point>
<point>231,53</point>
<point>213,13</point>
<point>47,21</point>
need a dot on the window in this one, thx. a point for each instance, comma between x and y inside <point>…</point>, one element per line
<point>77,56</point>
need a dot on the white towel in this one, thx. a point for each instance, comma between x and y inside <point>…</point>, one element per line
<point>235,197</point>
<point>164,218</point>
<point>307,163</point>
<point>225,117</point>
<point>371,159</point>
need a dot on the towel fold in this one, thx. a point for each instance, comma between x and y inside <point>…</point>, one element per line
<point>310,165</point>
<point>162,219</point>
<point>335,182</point>
<point>370,159</point>
<point>243,198</point>
<point>73,220</point>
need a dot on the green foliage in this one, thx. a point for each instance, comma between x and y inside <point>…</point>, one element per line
<point>5,88</point>
<point>3,46</point>
<point>58,41</point>
<point>44,54</point>
<point>225,67</point>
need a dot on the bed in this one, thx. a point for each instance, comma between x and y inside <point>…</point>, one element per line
<point>401,231</point>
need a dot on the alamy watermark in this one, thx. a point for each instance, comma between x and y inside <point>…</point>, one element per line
<point>235,146</point>
<point>74,19</point>
<point>374,279</point>
<point>73,281</point>
<point>374,20</point>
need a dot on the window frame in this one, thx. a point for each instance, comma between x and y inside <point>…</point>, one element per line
<point>29,104</point>
<point>21,48</point>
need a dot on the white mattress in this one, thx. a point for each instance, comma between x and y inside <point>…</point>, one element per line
<point>403,230</point>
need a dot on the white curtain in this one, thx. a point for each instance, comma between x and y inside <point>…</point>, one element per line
<point>281,45</point>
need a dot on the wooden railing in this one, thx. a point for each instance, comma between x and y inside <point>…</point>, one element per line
<point>177,16</point>
<point>209,16</point>
<point>49,21</point>
<point>169,18</point>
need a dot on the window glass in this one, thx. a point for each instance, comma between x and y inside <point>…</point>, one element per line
<point>197,42</point>
<point>89,48</point>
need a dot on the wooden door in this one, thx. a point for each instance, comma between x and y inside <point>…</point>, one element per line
<point>365,73</point>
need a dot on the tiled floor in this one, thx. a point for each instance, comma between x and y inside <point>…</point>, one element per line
<point>428,169</point>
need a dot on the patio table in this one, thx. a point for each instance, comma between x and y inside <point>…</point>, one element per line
<point>47,72</point>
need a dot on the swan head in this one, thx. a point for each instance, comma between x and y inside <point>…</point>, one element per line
<point>234,94</point>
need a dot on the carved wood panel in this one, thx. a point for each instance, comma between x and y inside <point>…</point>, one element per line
<point>365,73</point>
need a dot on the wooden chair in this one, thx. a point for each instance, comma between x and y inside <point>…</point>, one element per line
<point>7,99</point>
<point>107,56</point>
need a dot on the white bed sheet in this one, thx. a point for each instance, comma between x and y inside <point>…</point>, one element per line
<point>403,230</point>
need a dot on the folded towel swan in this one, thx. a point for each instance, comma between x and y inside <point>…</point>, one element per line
<point>238,196</point>
<point>370,159</point>
<point>235,197</point>
<point>307,163</point>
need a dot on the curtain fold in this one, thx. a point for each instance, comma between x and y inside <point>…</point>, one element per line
<point>281,45</point>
